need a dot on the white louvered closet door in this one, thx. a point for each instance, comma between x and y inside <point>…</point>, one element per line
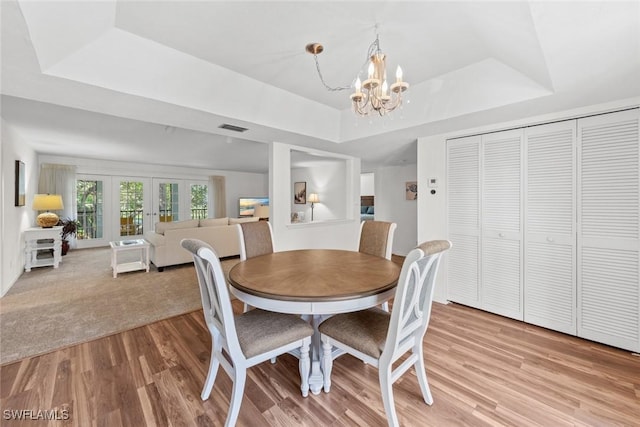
<point>550,235</point>
<point>608,229</point>
<point>463,213</point>
<point>501,219</point>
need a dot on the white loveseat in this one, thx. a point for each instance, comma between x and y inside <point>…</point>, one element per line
<point>220,233</point>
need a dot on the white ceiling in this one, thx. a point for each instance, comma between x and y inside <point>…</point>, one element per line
<point>152,81</point>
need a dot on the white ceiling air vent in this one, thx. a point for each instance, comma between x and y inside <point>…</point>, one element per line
<point>232,127</point>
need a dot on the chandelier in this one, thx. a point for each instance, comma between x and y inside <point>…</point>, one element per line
<point>374,95</point>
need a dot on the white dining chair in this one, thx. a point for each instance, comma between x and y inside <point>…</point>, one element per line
<point>380,338</point>
<point>376,238</point>
<point>240,342</point>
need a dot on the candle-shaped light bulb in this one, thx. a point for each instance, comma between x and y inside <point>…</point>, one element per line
<point>358,84</point>
<point>370,72</point>
<point>398,74</point>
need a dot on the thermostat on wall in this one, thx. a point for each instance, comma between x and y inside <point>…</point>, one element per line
<point>433,182</point>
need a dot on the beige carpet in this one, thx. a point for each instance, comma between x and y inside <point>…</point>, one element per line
<point>47,308</point>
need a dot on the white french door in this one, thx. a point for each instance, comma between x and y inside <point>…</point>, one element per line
<point>123,207</point>
<point>132,210</point>
<point>167,199</point>
<point>94,198</point>
<point>179,199</point>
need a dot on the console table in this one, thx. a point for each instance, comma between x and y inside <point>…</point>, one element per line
<point>43,247</point>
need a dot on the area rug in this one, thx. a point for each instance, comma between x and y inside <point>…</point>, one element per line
<point>48,309</point>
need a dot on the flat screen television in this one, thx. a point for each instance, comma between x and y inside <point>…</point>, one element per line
<point>246,205</point>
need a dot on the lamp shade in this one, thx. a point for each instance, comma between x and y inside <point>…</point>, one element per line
<point>261,211</point>
<point>313,198</point>
<point>47,202</point>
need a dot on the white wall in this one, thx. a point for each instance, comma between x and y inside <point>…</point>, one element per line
<point>329,234</point>
<point>432,219</point>
<point>238,184</point>
<point>367,184</point>
<point>432,213</point>
<point>14,219</point>
<point>391,205</point>
<point>327,181</point>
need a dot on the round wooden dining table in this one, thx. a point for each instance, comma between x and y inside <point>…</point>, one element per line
<point>314,283</point>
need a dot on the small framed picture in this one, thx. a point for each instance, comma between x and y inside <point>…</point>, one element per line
<point>20,185</point>
<point>300,193</point>
<point>411,190</point>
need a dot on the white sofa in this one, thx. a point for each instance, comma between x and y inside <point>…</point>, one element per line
<point>220,233</point>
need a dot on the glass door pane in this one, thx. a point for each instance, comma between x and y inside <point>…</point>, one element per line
<point>131,208</point>
<point>93,210</point>
<point>168,202</point>
<point>90,208</point>
<point>199,201</point>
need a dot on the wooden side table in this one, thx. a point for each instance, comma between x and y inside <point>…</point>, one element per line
<point>129,245</point>
<point>43,247</point>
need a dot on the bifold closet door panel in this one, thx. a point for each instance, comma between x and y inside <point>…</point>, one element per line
<point>609,229</point>
<point>501,219</point>
<point>550,232</point>
<point>463,218</point>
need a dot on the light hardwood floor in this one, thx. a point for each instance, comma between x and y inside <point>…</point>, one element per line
<point>483,370</point>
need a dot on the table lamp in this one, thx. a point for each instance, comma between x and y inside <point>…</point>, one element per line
<point>261,212</point>
<point>47,202</point>
<point>313,198</point>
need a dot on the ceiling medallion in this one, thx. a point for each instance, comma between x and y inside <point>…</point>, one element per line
<point>374,95</point>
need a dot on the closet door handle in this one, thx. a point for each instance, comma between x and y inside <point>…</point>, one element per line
<point>501,234</point>
<point>550,239</point>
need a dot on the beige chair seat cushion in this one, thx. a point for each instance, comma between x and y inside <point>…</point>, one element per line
<point>260,331</point>
<point>365,331</point>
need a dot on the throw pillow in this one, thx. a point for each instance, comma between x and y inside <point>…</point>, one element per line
<point>370,211</point>
<point>363,209</point>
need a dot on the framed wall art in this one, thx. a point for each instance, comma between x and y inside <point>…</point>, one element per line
<point>411,190</point>
<point>20,185</point>
<point>300,193</point>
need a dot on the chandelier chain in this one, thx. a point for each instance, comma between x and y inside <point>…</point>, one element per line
<point>329,88</point>
<point>373,48</point>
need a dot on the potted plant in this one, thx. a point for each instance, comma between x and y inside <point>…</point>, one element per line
<point>69,229</point>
